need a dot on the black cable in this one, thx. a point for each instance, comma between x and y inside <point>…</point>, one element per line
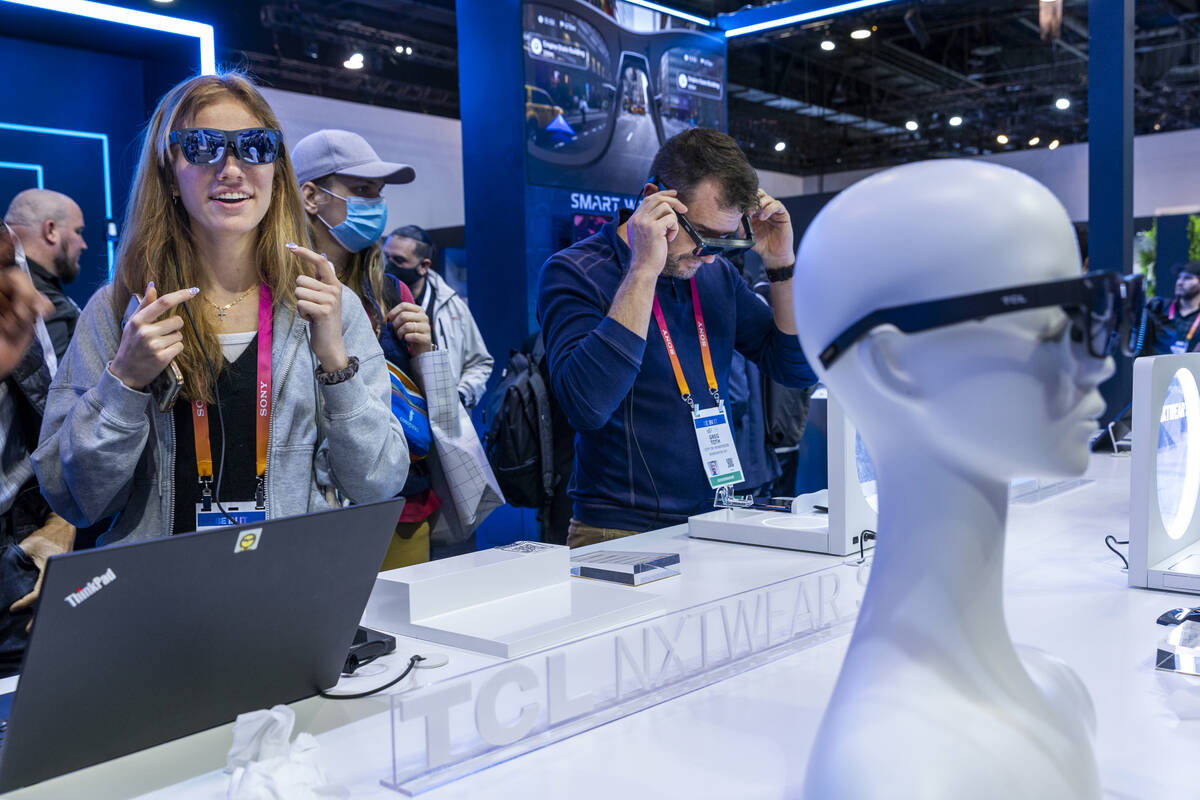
<point>412,663</point>
<point>353,665</point>
<point>212,372</point>
<point>1114,540</point>
<point>633,430</point>
<point>862,542</point>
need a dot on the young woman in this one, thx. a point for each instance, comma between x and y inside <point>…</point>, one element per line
<point>209,276</point>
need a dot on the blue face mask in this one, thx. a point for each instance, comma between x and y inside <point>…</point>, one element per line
<point>366,220</point>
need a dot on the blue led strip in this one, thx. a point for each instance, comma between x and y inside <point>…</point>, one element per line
<point>138,19</point>
<point>103,139</point>
<point>789,19</point>
<point>35,168</point>
<point>674,12</point>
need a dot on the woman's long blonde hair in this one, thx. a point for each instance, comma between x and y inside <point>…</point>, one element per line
<point>157,244</point>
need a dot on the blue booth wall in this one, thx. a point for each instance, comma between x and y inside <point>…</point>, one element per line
<point>80,91</point>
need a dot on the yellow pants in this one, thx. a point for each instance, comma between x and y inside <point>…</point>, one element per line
<point>410,545</point>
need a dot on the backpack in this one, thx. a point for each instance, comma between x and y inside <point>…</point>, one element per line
<point>519,441</point>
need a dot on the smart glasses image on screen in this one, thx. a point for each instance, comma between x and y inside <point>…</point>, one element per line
<point>726,244</point>
<point>600,100</point>
<point>1100,306</point>
<point>206,146</point>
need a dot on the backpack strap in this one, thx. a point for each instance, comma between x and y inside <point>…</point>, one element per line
<point>545,433</point>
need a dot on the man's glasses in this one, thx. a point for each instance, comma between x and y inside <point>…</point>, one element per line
<point>1101,305</point>
<point>725,245</point>
<point>207,146</point>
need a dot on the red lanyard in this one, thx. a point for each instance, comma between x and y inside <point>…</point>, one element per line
<point>705,355</point>
<point>262,421</point>
<point>1195,322</point>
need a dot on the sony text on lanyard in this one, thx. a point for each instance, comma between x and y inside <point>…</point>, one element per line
<point>718,454</point>
<point>248,511</point>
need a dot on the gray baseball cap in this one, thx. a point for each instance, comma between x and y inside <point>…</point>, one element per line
<point>335,152</point>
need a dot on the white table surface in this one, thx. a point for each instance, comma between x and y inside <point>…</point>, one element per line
<point>749,736</point>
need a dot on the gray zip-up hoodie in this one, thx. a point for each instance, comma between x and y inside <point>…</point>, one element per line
<point>106,449</point>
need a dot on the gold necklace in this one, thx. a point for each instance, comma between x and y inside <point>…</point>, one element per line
<point>223,310</point>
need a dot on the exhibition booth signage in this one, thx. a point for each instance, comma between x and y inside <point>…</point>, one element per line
<point>456,727</point>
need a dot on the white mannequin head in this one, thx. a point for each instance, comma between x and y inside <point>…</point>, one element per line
<point>1008,397</point>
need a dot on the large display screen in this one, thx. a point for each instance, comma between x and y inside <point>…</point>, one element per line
<point>599,99</point>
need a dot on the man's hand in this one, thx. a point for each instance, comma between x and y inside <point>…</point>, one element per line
<point>772,232</point>
<point>56,536</point>
<point>411,325</point>
<point>319,300</point>
<point>651,228</point>
<point>20,307</point>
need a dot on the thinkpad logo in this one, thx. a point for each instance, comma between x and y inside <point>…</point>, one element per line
<point>90,588</point>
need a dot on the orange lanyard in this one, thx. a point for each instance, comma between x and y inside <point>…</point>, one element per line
<point>1192,330</point>
<point>262,419</point>
<point>705,354</point>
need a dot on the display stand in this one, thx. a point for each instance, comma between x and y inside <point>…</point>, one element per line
<point>506,601</point>
<point>448,730</point>
<point>839,532</point>
<point>1164,531</point>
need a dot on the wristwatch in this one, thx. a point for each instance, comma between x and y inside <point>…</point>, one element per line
<point>781,273</point>
<point>337,376</point>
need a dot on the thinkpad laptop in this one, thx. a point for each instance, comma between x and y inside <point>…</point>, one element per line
<point>135,645</point>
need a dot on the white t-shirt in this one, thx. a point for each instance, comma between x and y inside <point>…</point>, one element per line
<point>234,344</point>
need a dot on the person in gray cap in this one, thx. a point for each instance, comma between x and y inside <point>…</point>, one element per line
<point>341,177</point>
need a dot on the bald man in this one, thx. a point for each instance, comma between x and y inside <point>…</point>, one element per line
<point>50,227</point>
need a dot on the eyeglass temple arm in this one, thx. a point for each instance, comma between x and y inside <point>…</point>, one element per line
<point>915,317</point>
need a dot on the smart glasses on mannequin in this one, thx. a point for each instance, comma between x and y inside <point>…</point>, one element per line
<point>206,146</point>
<point>1099,305</point>
<point>725,245</point>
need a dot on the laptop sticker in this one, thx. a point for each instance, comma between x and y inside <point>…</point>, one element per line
<point>248,540</point>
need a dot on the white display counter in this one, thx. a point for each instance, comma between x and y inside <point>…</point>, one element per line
<point>749,736</point>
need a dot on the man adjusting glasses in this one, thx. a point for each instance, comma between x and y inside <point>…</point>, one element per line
<point>641,322</point>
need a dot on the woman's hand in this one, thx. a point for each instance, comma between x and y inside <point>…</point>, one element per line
<point>319,300</point>
<point>148,344</point>
<point>411,325</point>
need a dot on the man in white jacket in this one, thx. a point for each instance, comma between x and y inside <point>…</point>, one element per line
<point>409,255</point>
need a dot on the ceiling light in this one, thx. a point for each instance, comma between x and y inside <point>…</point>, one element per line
<point>780,146</point>
<point>399,49</point>
<point>355,61</point>
<point>828,45</point>
<point>1054,144</point>
<point>794,19</point>
<point>408,51</point>
<point>911,125</point>
<point>1062,104</point>
<point>955,121</point>
<point>1002,139</point>
<point>861,33</point>
<point>1035,141</point>
<point>164,2</point>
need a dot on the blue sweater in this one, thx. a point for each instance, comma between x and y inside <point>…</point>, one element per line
<point>637,464</point>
